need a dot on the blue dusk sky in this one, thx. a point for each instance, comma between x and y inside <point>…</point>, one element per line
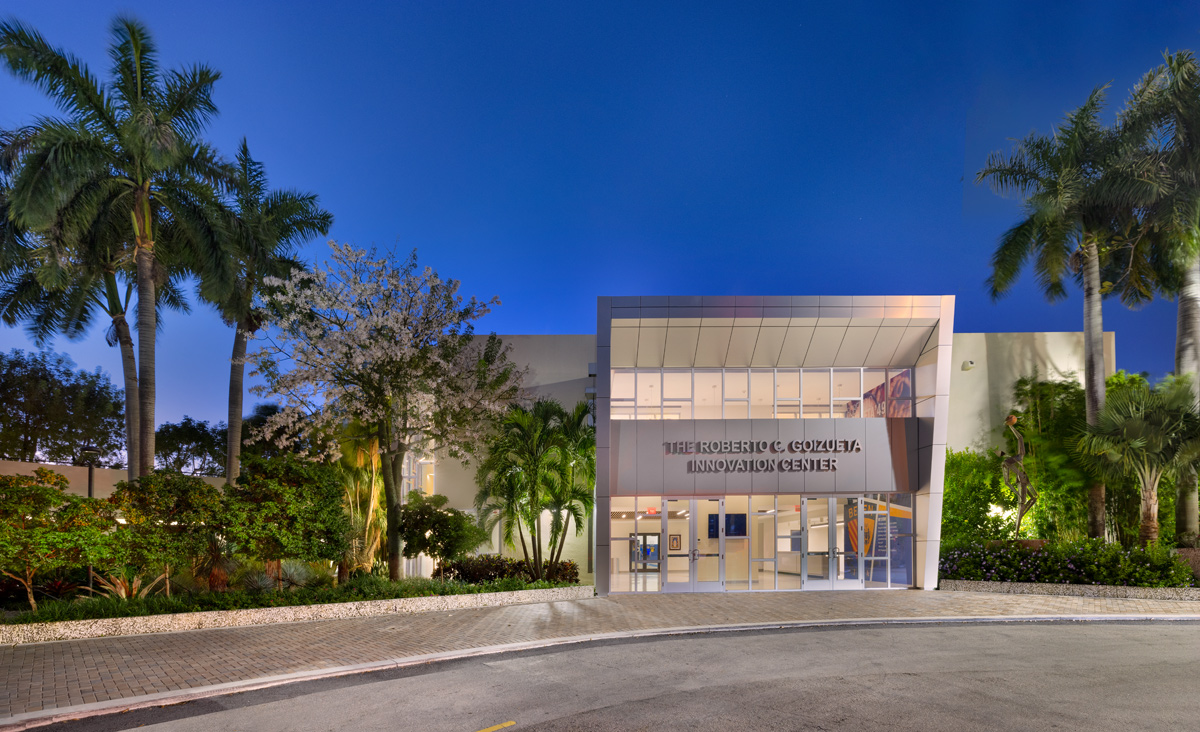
<point>551,152</point>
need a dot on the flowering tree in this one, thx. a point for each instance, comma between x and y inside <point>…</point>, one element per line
<point>391,347</point>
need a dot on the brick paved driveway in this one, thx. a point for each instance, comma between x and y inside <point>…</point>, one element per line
<point>43,677</point>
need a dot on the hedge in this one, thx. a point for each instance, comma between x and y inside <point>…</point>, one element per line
<point>1086,562</point>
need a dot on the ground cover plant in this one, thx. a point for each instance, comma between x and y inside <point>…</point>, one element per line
<point>357,589</point>
<point>1083,562</point>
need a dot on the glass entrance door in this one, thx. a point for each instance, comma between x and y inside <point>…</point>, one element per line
<point>695,532</point>
<point>832,538</point>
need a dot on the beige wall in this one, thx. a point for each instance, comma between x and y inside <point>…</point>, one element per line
<point>558,369</point>
<point>981,397</point>
<point>106,479</point>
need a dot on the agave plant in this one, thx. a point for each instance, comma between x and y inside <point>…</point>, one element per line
<point>123,586</point>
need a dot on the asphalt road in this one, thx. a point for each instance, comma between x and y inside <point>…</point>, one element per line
<point>1064,676</point>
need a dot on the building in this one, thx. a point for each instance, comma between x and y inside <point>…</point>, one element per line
<point>776,443</point>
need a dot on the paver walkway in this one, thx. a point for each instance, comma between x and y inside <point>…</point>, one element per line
<point>45,677</point>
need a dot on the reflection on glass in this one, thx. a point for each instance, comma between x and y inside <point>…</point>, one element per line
<point>708,540</point>
<point>788,410</point>
<point>900,384</point>
<point>900,408</point>
<point>847,408</point>
<point>874,393</point>
<point>621,524</point>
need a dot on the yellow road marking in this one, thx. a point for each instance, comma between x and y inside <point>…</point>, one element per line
<point>498,726</point>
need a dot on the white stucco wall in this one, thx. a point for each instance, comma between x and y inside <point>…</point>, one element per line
<point>981,397</point>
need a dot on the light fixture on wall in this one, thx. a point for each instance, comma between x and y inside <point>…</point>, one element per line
<point>968,365</point>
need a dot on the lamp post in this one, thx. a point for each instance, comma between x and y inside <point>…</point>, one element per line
<point>90,453</point>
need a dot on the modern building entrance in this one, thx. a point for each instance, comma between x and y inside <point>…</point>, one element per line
<point>738,543</point>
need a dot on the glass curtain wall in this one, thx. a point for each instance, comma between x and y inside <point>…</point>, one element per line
<point>761,393</point>
<point>768,553</point>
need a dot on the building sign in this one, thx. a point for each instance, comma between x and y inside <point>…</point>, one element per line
<point>778,456</point>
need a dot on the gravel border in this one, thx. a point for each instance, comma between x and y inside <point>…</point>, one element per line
<point>1043,588</point>
<point>99,628</point>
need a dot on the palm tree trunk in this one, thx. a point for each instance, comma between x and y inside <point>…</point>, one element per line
<point>147,324</point>
<point>1187,361</point>
<point>233,436</point>
<point>129,371</point>
<point>1148,530</point>
<point>1093,370</point>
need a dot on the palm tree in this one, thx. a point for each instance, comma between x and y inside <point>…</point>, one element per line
<point>264,229</point>
<point>1146,433</point>
<point>1081,189</point>
<point>522,466</point>
<point>573,496</point>
<point>125,152</point>
<point>1167,101</point>
<point>94,278</point>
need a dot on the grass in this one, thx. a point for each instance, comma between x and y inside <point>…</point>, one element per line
<point>367,587</point>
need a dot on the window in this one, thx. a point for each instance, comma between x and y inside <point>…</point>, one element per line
<point>761,393</point>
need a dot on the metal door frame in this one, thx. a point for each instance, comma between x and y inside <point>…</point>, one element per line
<point>692,551</point>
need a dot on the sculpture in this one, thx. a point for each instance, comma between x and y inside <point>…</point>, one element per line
<point>1013,467</point>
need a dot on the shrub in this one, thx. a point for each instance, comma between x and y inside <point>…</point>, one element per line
<point>1084,562</point>
<point>483,568</point>
<point>564,571</point>
<point>362,587</point>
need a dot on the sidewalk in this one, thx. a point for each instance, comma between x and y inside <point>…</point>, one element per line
<point>47,680</point>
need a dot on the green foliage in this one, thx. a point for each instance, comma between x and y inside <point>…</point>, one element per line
<point>48,410</point>
<point>972,488</point>
<point>43,528</point>
<point>191,446</point>
<point>168,519</point>
<point>360,588</point>
<point>1144,434</point>
<point>483,568</point>
<point>1050,414</point>
<point>287,508</point>
<point>428,527</point>
<point>1083,562</point>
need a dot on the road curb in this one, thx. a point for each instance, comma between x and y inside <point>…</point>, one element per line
<point>30,720</point>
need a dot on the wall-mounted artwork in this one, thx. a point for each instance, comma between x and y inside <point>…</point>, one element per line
<point>674,542</point>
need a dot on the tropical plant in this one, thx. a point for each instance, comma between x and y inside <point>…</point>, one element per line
<point>572,498</point>
<point>1145,433</point>
<point>44,528</point>
<point>359,466</point>
<point>287,508</point>
<point>167,519</point>
<point>124,585</point>
<point>390,347</point>
<point>975,505</point>
<point>123,165</point>
<point>1082,189</point>
<point>264,228</point>
<point>1167,101</point>
<point>522,466</point>
<point>444,534</point>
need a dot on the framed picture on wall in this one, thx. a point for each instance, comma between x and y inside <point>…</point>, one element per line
<point>674,542</point>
